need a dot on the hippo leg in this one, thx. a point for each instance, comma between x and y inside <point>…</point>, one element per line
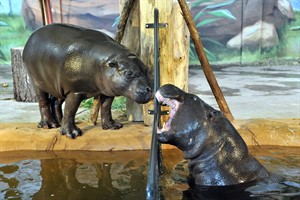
<point>68,126</point>
<point>56,104</point>
<point>106,118</point>
<point>47,120</point>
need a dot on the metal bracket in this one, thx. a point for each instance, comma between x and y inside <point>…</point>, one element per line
<point>162,112</point>
<point>160,25</point>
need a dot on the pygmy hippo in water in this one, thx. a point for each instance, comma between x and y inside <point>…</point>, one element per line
<point>69,64</point>
<point>217,154</point>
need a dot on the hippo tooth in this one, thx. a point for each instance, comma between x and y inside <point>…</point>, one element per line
<point>165,101</point>
<point>160,130</point>
<point>169,102</point>
<point>172,104</point>
<point>164,125</point>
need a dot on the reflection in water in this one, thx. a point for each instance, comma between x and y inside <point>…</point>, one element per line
<point>67,179</point>
<point>117,176</point>
<point>20,180</point>
<point>122,175</point>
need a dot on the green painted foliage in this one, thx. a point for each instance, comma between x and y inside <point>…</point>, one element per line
<point>205,17</point>
<point>13,34</point>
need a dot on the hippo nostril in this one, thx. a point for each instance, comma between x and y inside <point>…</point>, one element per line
<point>148,89</point>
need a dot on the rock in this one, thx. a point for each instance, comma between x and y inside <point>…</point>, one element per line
<point>261,34</point>
<point>95,14</point>
<point>285,8</point>
<point>247,13</point>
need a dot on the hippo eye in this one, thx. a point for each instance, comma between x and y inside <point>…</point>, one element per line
<point>194,98</point>
<point>113,64</point>
<point>132,56</point>
<point>129,74</point>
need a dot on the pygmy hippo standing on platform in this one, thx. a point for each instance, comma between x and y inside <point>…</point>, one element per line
<point>69,64</point>
<point>217,154</point>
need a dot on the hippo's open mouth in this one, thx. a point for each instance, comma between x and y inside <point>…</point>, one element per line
<point>173,104</point>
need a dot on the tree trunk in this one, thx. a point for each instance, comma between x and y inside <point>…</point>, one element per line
<point>173,45</point>
<point>23,88</point>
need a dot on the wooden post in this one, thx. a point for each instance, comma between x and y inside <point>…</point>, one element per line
<point>174,45</point>
<point>204,62</point>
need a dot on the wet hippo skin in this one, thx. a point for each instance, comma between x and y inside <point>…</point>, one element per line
<point>217,154</point>
<point>69,64</point>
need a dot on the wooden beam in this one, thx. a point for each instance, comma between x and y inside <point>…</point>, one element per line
<point>204,62</point>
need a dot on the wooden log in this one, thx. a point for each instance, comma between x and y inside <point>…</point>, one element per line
<point>94,113</point>
<point>126,10</point>
<point>23,88</point>
<point>173,45</point>
<point>204,62</point>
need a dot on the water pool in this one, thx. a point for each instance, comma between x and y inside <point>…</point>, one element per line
<point>123,175</point>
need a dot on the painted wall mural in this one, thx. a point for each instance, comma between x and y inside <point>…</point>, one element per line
<point>232,31</point>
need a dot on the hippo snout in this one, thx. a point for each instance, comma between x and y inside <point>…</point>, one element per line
<point>144,95</point>
<point>145,90</point>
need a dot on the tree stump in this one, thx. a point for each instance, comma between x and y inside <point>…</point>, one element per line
<point>23,88</point>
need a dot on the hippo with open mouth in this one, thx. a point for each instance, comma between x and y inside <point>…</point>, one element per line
<point>217,154</point>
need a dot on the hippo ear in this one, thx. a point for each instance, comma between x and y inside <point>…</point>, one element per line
<point>214,114</point>
<point>113,64</point>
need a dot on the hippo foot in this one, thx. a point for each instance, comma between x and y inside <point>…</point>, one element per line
<point>47,124</point>
<point>71,132</point>
<point>111,125</point>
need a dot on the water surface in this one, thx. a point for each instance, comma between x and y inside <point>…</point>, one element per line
<point>122,175</point>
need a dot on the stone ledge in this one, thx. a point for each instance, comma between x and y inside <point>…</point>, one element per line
<point>135,136</point>
<point>279,132</point>
<point>28,137</point>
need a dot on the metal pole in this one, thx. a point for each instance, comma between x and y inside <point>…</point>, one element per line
<point>48,12</point>
<point>152,189</point>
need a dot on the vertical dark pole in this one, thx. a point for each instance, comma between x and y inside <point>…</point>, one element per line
<point>152,189</point>
<point>61,12</point>
<point>43,9</point>
<point>48,12</point>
